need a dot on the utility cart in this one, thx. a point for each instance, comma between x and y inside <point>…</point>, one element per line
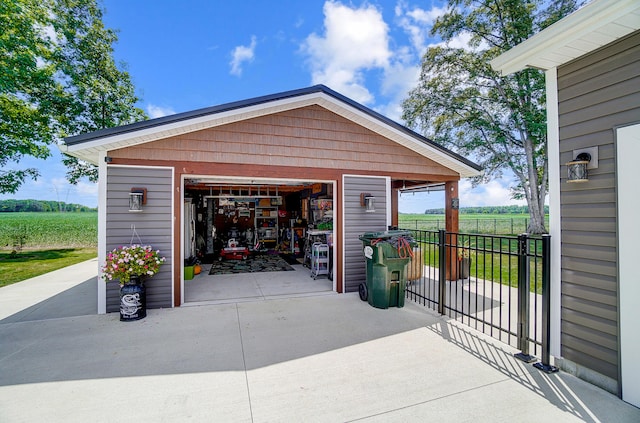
<point>319,259</point>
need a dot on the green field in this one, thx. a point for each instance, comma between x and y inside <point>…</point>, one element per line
<point>496,224</point>
<point>492,258</point>
<point>49,230</point>
<point>49,241</point>
<point>54,240</point>
<point>30,263</point>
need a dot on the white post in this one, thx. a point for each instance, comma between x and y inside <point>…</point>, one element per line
<point>102,230</point>
<point>553,153</point>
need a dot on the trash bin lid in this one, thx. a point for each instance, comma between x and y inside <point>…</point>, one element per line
<point>383,235</point>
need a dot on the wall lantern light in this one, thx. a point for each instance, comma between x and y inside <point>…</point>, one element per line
<point>137,198</point>
<point>368,202</point>
<point>577,169</point>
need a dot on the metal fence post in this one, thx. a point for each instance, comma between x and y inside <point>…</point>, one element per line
<point>545,365</point>
<point>523,299</point>
<point>442,271</point>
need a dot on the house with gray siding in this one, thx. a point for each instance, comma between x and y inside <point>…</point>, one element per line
<point>591,60</point>
<point>263,174</point>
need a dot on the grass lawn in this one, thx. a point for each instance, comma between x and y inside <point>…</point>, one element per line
<point>492,259</point>
<point>28,264</point>
<point>477,223</point>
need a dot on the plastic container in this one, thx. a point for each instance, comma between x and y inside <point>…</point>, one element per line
<point>386,267</point>
<point>188,273</point>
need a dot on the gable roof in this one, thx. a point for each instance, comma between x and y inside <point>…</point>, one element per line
<point>88,146</point>
<point>585,30</point>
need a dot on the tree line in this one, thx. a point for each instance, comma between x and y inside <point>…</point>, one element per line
<point>7,206</point>
<point>490,210</point>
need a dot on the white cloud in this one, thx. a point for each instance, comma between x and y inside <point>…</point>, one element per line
<point>462,41</point>
<point>417,23</point>
<point>354,40</point>
<point>399,79</point>
<point>88,189</point>
<point>418,202</point>
<point>241,55</point>
<point>158,111</point>
<point>356,44</point>
<point>493,193</point>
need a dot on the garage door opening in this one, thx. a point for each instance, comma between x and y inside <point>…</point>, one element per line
<point>251,239</point>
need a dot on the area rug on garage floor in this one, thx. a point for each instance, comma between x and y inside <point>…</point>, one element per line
<point>259,263</point>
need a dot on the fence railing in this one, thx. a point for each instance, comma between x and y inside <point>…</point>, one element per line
<point>494,226</point>
<point>492,283</point>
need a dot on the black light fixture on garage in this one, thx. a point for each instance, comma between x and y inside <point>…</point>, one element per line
<point>368,202</point>
<point>577,168</point>
<point>137,198</point>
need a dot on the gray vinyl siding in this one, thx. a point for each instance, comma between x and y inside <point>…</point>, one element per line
<point>596,93</point>
<point>153,225</point>
<point>357,222</point>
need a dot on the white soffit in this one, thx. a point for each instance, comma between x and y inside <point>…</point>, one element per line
<point>587,29</point>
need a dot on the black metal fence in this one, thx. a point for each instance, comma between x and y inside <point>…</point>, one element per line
<point>489,282</point>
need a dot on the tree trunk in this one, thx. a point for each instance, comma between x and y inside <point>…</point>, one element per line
<point>536,221</point>
<point>536,191</point>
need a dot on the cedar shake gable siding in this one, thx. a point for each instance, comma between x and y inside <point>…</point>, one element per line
<point>309,137</point>
<point>89,146</point>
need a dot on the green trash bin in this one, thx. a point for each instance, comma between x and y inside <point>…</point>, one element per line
<point>386,267</point>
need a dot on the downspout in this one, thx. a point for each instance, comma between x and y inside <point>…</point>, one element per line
<point>102,229</point>
<point>389,201</point>
<point>553,157</point>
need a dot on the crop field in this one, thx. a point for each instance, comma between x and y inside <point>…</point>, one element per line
<point>495,224</point>
<point>48,230</point>
<point>80,230</point>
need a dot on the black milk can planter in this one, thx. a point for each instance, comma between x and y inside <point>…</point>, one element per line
<point>464,268</point>
<point>133,300</point>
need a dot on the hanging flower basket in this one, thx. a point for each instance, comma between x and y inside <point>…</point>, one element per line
<point>133,260</point>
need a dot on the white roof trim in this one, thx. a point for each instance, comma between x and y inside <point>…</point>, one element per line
<point>587,29</point>
<point>89,150</point>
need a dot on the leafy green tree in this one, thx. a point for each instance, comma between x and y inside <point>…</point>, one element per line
<point>102,94</point>
<point>462,103</point>
<point>57,78</point>
<point>27,88</point>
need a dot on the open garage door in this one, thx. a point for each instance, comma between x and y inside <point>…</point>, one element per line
<point>239,232</point>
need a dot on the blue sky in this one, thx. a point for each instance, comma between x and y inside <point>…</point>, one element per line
<point>189,54</point>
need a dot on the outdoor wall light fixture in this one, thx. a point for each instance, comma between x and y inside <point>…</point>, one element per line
<point>368,202</point>
<point>137,198</point>
<point>577,168</point>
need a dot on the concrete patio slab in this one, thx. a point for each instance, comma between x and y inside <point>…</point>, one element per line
<point>33,293</point>
<point>324,358</point>
<point>242,287</point>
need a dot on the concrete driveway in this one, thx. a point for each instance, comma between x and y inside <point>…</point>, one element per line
<point>330,358</point>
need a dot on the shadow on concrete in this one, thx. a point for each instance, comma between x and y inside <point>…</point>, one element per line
<point>242,337</point>
<point>81,300</point>
<point>564,391</point>
<point>212,338</point>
